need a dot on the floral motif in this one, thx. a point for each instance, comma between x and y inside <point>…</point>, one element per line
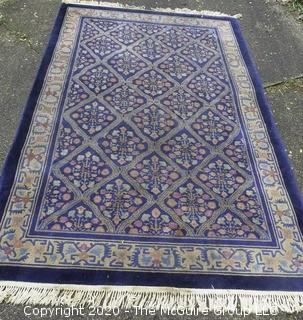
<point>102,46</point>
<point>226,107</point>
<point>173,38</point>
<point>117,200</point>
<point>217,70</point>
<point>249,204</point>
<point>205,87</point>
<point>122,144</point>
<point>228,225</point>
<point>185,150</point>
<point>86,169</point>
<point>210,40</point>
<point>56,196</point>
<point>151,50</point>
<point>192,204</point>
<point>154,174</point>
<point>212,128</point>
<point>126,34</point>
<point>93,117</point>
<point>68,140</point>
<point>197,53</point>
<point>88,31</point>
<point>154,122</point>
<point>98,79</point>
<point>148,28</point>
<point>153,83</point>
<point>75,95</point>
<point>156,259</point>
<point>237,152</point>
<point>104,25</point>
<point>182,103</point>
<point>124,99</point>
<point>221,177</point>
<point>177,67</point>
<point>79,218</point>
<point>83,59</point>
<point>193,32</point>
<point>126,63</point>
<point>156,222</point>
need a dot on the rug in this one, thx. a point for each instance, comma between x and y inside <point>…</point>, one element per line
<point>147,171</point>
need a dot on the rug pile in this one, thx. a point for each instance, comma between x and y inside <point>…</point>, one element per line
<point>147,171</point>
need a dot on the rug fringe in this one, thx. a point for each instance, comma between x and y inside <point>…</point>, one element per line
<point>176,10</point>
<point>159,298</point>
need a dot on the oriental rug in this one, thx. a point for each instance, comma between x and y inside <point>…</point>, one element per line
<point>147,171</point>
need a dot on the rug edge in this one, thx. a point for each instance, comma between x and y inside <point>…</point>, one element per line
<point>296,295</point>
<point>10,164</point>
<point>157,298</point>
<point>275,138</point>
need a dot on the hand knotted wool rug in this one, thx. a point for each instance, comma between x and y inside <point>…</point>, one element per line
<point>147,171</point>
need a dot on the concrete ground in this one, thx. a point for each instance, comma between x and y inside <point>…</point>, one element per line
<point>275,39</point>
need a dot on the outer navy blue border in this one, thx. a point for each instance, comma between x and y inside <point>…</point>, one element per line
<point>11,162</point>
<point>287,173</point>
<point>92,277</point>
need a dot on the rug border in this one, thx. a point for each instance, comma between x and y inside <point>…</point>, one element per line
<point>273,132</point>
<point>92,277</point>
<point>10,165</point>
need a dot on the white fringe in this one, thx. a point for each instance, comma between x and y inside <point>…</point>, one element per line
<point>177,10</point>
<point>156,298</point>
